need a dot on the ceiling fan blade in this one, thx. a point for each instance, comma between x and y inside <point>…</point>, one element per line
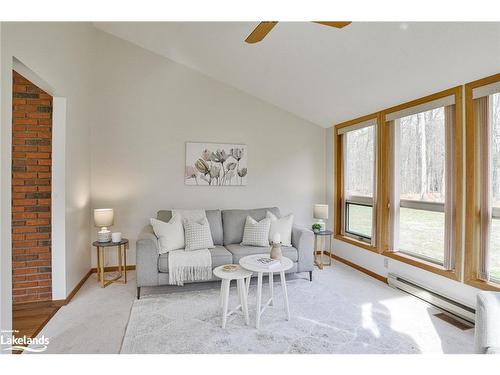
<point>260,31</point>
<point>337,24</point>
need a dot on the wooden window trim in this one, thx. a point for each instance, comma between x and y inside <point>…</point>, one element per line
<point>471,261</point>
<point>339,183</point>
<point>456,273</point>
<point>355,242</point>
<point>422,264</point>
<point>383,190</point>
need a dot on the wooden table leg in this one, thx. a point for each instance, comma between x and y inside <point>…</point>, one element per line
<point>330,251</point>
<point>259,300</point>
<point>322,250</point>
<point>125,260</point>
<point>285,294</point>
<point>102,260</point>
<point>120,267</point>
<point>98,265</point>
<point>315,249</point>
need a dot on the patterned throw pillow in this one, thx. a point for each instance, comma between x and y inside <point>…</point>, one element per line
<point>256,233</point>
<point>197,235</point>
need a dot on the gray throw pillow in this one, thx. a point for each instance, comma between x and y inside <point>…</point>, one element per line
<point>197,235</point>
<point>256,233</point>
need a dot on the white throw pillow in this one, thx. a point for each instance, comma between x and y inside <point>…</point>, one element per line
<point>283,226</point>
<point>198,235</point>
<point>256,233</point>
<point>170,235</point>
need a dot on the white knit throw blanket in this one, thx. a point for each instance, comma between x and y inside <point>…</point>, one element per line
<point>193,265</point>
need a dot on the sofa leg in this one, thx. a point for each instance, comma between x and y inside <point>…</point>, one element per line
<point>310,275</point>
<point>138,292</point>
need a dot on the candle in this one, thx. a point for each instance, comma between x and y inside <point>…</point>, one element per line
<point>277,238</point>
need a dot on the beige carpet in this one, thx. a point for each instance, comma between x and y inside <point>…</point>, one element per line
<point>94,321</point>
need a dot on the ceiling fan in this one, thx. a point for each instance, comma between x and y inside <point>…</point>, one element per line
<point>265,27</point>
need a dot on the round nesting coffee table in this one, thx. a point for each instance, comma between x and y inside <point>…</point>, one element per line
<point>241,276</point>
<point>249,263</point>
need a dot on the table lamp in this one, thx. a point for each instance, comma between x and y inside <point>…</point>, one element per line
<point>103,218</point>
<point>320,212</point>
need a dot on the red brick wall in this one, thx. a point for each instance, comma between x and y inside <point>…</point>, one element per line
<point>31,190</point>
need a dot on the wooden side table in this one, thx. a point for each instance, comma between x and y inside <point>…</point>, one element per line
<point>121,247</point>
<point>319,247</point>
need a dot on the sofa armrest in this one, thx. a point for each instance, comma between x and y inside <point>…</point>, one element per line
<point>147,253</point>
<point>487,330</point>
<point>302,240</point>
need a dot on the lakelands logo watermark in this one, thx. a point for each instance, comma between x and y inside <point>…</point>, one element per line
<point>24,343</point>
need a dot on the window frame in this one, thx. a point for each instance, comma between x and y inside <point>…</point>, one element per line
<point>339,183</point>
<point>456,272</point>
<point>357,236</point>
<point>472,235</point>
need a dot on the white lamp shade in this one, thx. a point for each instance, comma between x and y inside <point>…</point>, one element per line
<point>321,211</point>
<point>103,217</point>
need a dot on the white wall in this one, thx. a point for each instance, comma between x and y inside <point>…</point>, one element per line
<point>61,54</point>
<point>147,107</point>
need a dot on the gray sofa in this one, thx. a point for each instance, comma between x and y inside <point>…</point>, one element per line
<point>487,332</point>
<point>226,227</point>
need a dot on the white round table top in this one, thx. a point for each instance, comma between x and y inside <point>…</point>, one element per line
<point>247,263</point>
<point>240,273</point>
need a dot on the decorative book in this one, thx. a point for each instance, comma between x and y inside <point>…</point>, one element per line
<point>267,262</point>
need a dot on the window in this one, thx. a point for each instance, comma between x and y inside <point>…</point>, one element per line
<point>421,174</point>
<point>358,171</point>
<point>494,240</point>
<point>482,262</point>
<point>421,164</point>
<point>399,182</point>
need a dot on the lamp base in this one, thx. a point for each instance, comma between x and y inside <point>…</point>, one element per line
<point>104,235</point>
<point>322,224</point>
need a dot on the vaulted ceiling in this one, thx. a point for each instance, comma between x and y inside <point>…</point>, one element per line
<point>322,74</point>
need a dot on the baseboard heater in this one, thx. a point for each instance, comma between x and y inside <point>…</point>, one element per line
<point>444,303</point>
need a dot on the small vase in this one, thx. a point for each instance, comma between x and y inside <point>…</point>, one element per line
<point>276,251</point>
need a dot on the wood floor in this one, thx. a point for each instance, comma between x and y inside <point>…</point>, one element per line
<point>29,318</point>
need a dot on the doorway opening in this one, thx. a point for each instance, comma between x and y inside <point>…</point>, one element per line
<point>31,205</point>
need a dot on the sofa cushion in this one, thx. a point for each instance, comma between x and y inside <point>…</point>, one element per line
<point>233,222</point>
<point>214,219</point>
<point>240,251</point>
<point>220,256</point>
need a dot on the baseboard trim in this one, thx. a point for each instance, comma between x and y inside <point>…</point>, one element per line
<point>356,267</point>
<point>77,287</point>
<point>112,268</point>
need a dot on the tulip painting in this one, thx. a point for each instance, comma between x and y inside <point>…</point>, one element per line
<point>216,164</point>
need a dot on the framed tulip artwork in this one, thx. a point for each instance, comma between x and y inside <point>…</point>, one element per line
<point>216,164</point>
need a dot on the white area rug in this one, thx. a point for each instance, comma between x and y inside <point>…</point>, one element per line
<point>341,311</point>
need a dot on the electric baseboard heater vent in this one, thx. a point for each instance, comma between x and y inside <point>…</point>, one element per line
<point>444,303</point>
